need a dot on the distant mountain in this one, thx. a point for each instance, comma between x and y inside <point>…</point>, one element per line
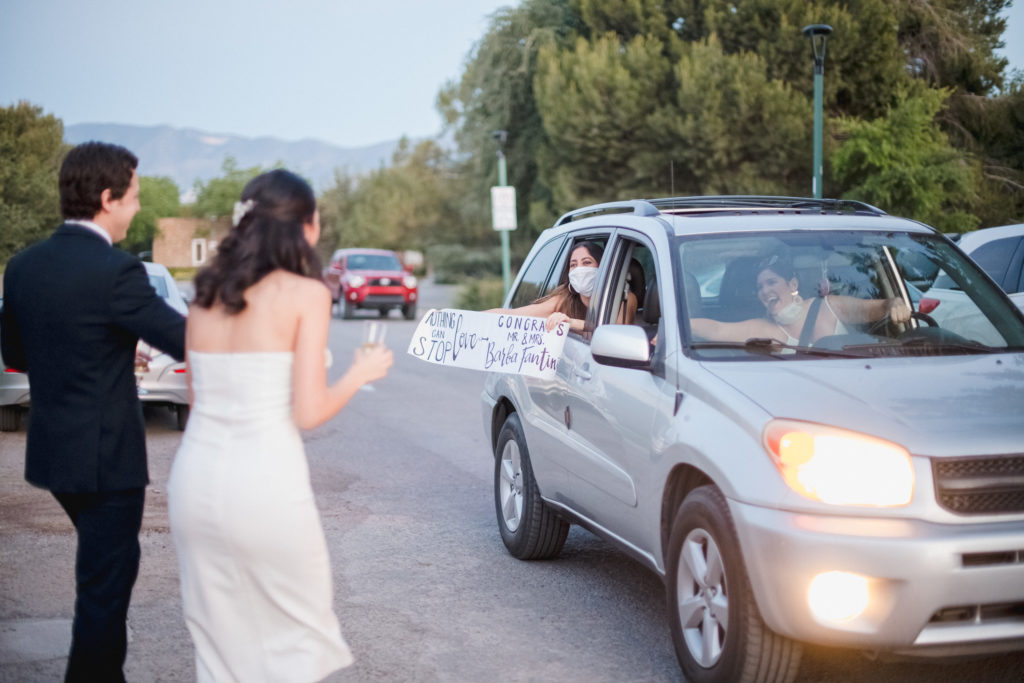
<point>186,155</point>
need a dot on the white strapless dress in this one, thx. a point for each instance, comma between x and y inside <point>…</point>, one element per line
<point>255,573</point>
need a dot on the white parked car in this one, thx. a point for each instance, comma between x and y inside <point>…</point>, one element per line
<point>1000,253</point>
<point>161,379</point>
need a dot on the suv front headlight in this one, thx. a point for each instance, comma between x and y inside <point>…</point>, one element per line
<point>409,281</point>
<point>840,467</point>
<point>356,281</point>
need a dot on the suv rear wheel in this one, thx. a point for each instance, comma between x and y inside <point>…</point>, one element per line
<point>718,634</point>
<point>181,413</point>
<point>10,418</point>
<point>529,528</point>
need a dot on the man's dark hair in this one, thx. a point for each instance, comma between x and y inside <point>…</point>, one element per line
<point>90,168</point>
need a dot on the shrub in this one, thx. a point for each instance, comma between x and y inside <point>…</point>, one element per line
<point>481,294</point>
<point>454,263</point>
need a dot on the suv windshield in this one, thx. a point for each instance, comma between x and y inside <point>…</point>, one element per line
<point>373,262</point>
<point>818,294</point>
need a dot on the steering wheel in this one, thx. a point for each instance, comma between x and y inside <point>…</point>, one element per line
<point>880,324</point>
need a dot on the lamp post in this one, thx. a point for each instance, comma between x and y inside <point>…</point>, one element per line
<point>818,33</point>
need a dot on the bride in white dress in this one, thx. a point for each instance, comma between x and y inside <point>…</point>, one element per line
<point>255,573</point>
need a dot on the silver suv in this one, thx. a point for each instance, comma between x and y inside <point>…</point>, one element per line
<point>854,477</point>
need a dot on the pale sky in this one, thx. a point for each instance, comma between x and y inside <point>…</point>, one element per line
<point>349,72</point>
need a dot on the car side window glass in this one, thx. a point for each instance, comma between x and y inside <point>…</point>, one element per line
<point>633,294</point>
<point>560,276</point>
<point>536,279</point>
<point>994,257</point>
<point>630,277</point>
<point>1020,282</point>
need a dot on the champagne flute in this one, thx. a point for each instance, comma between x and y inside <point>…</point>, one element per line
<point>373,334</point>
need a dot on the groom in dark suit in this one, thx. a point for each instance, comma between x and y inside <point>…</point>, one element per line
<point>74,309</point>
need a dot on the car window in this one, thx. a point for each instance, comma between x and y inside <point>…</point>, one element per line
<point>160,285</point>
<point>631,273</point>
<point>560,273</point>
<point>373,262</point>
<point>536,279</point>
<point>993,257</point>
<point>857,276</point>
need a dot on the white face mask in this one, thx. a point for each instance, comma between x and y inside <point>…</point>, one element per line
<point>790,313</point>
<point>582,279</point>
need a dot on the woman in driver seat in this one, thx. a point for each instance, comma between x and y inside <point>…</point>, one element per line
<point>786,312</point>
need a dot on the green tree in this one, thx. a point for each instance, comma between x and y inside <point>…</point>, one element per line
<point>496,92</point>
<point>903,163</point>
<point>624,121</point>
<point>158,198</point>
<point>409,205</point>
<point>611,98</point>
<point>31,150</point>
<point>216,197</point>
<point>992,129</point>
<point>952,43</point>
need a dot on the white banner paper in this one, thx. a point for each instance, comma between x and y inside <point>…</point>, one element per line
<point>496,342</point>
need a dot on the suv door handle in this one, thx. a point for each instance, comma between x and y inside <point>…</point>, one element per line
<point>581,373</point>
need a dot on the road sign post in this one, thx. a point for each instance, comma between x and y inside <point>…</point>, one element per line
<point>503,219</point>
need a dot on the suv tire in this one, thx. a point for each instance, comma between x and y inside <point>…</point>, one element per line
<point>529,528</point>
<point>706,582</point>
<point>10,418</point>
<point>181,413</point>
<point>409,311</point>
<point>347,309</point>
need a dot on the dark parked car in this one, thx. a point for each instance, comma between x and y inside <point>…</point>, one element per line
<point>373,279</point>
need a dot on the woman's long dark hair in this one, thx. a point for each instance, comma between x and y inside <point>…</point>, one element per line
<point>570,302</point>
<point>268,237</point>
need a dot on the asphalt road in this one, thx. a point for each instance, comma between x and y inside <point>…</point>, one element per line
<point>423,586</point>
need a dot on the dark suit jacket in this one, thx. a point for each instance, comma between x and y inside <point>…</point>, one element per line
<point>74,309</point>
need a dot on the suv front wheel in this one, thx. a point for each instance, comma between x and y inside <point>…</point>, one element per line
<point>718,634</point>
<point>529,528</point>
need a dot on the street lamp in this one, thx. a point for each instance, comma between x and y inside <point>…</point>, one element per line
<point>818,33</point>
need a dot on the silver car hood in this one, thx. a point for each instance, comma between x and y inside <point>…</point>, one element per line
<point>937,406</point>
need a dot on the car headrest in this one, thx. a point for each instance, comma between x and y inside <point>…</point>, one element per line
<point>652,304</point>
<point>737,296</point>
<point>637,283</point>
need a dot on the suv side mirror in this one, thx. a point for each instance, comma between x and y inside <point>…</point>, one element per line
<point>623,346</point>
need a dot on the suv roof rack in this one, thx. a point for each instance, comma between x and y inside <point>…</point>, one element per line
<point>638,207</point>
<point>722,203</point>
<point>761,203</point>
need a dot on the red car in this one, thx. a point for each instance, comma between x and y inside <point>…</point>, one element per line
<point>371,278</point>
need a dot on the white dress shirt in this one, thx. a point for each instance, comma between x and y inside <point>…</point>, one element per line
<point>92,226</point>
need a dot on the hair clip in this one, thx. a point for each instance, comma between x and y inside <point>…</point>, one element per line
<point>241,208</point>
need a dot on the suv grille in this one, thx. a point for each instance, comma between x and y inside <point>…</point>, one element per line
<point>980,486</point>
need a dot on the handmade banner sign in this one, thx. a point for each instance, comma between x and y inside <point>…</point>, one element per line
<point>497,342</point>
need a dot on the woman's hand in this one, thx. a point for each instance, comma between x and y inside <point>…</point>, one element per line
<point>554,319</point>
<point>371,364</point>
<point>898,310</point>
